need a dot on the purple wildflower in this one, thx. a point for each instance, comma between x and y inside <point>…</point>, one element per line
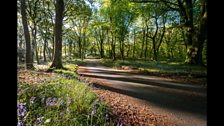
<point>20,123</point>
<point>121,122</point>
<point>21,109</point>
<point>67,109</point>
<point>60,102</point>
<point>61,114</point>
<point>48,100</point>
<point>100,99</point>
<point>39,120</point>
<point>93,112</point>
<point>69,100</point>
<point>107,116</point>
<point>32,99</point>
<point>54,99</point>
<point>51,104</point>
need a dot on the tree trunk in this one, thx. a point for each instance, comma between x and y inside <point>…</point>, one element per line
<point>143,41</point>
<point>113,48</point>
<point>192,43</point>
<point>154,49</point>
<point>65,49</point>
<point>154,40</point>
<point>35,42</point>
<point>74,49</point>
<point>57,60</point>
<point>52,54</point>
<point>29,63</point>
<point>128,51</point>
<point>70,49</point>
<point>146,43</point>
<point>161,39</point>
<point>121,49</point>
<point>44,51</point>
<point>80,47</point>
<point>133,55</point>
<point>101,42</point>
<point>108,41</point>
<point>83,47</point>
<point>101,49</point>
<point>201,36</point>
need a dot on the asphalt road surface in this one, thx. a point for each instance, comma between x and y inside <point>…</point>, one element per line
<point>185,104</point>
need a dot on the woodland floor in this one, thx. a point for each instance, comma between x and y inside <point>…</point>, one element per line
<point>141,100</point>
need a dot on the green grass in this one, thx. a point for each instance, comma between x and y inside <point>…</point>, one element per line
<point>75,61</point>
<point>61,100</point>
<point>69,71</point>
<point>161,68</point>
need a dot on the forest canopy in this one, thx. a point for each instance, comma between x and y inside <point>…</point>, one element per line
<point>150,30</point>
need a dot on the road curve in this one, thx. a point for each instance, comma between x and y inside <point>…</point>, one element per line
<point>185,104</point>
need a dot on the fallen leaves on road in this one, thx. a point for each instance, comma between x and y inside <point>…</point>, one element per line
<point>131,110</point>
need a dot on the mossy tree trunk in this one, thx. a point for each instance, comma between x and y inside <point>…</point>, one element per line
<point>57,59</point>
<point>29,63</point>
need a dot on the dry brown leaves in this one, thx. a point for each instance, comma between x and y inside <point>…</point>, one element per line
<point>33,77</point>
<point>134,112</point>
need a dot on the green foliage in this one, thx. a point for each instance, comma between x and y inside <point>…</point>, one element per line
<point>60,101</point>
<point>68,74</point>
<point>162,68</point>
<point>71,67</point>
<point>86,24</point>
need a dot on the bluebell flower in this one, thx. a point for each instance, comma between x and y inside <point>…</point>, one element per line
<point>48,100</point>
<point>100,99</point>
<point>20,123</point>
<point>107,116</point>
<point>54,99</point>
<point>51,104</point>
<point>60,102</point>
<point>33,88</point>
<point>93,112</point>
<point>21,109</point>
<point>61,114</point>
<point>69,100</point>
<point>121,122</point>
<point>39,120</point>
<point>32,99</point>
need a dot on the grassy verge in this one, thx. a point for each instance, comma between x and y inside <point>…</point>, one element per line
<point>59,99</point>
<point>164,69</point>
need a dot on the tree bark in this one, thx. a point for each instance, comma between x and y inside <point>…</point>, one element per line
<point>44,51</point>
<point>146,43</point>
<point>201,36</point>
<point>57,60</point>
<point>74,49</point>
<point>29,63</point>
<point>101,42</point>
<point>133,55</point>
<point>113,48</point>
<point>35,42</point>
<point>143,41</point>
<point>161,37</point>
<point>70,48</point>
<point>154,41</point>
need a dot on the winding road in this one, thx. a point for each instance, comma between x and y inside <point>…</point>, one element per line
<point>185,104</point>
